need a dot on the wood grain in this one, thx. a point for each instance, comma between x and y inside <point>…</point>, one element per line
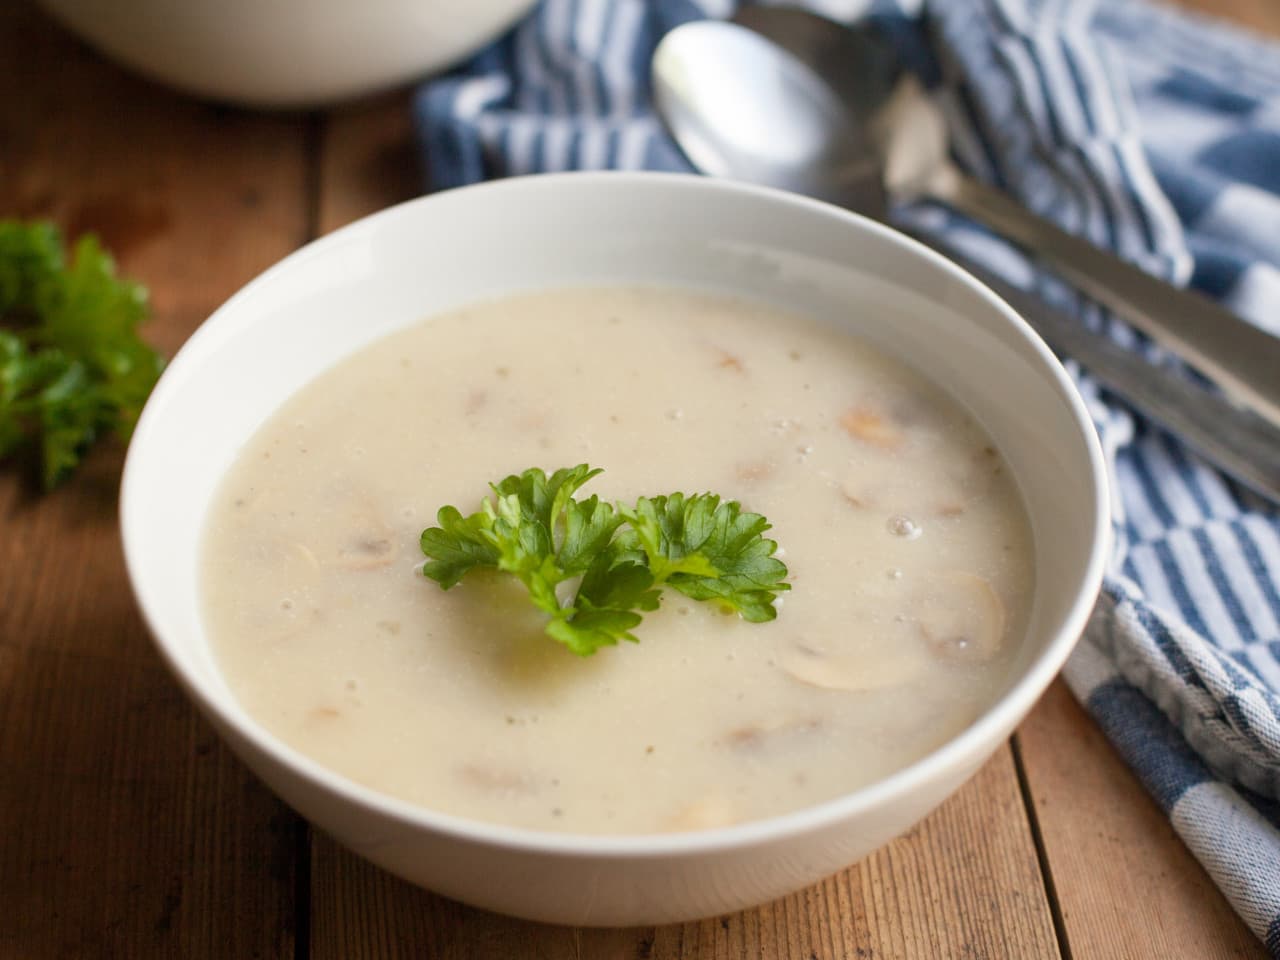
<point>1262,16</point>
<point>964,883</point>
<point>1125,884</point>
<point>126,830</point>
<point>368,160</point>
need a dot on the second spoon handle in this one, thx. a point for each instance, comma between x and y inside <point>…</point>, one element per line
<point>1238,440</point>
<point>1242,359</point>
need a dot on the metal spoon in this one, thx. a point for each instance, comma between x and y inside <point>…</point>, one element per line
<point>743,107</point>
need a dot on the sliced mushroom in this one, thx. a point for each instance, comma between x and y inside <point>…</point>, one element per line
<point>871,427</point>
<point>855,497</point>
<point>366,541</point>
<point>969,481</point>
<point>355,536</point>
<point>492,780</point>
<point>961,619</point>
<point>534,420</point>
<point>713,810</point>
<point>753,471</point>
<point>892,666</point>
<point>760,736</point>
<point>368,552</point>
<point>729,361</point>
<point>305,554</point>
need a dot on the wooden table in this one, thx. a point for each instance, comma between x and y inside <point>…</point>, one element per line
<point>127,830</point>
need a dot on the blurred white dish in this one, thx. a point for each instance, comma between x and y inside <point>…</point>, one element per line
<point>286,53</point>
<point>424,257</point>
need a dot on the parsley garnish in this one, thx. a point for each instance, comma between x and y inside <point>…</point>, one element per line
<point>533,528</point>
<point>72,366</point>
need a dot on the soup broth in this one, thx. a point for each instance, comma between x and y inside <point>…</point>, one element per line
<point>909,557</point>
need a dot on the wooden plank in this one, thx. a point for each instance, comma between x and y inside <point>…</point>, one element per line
<point>125,828</point>
<point>368,159</point>
<point>964,883</point>
<point>1125,883</point>
<point>195,199</point>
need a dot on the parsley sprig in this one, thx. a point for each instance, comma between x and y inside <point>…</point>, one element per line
<point>533,528</point>
<point>72,366</point>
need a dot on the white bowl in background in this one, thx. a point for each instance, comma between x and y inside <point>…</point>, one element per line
<point>437,253</point>
<point>286,53</point>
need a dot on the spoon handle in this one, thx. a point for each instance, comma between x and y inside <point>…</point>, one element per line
<point>1235,439</point>
<point>1242,359</point>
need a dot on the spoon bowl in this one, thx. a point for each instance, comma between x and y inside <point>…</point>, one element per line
<point>786,129</point>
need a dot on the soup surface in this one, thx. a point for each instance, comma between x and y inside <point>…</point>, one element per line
<point>907,545</point>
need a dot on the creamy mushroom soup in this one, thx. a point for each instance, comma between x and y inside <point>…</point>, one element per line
<point>908,549</point>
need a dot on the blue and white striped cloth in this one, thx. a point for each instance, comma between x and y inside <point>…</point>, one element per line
<point>1148,131</point>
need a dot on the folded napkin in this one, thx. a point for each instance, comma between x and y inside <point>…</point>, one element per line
<point>1148,131</point>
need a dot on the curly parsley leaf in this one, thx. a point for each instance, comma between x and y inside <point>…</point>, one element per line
<point>72,367</point>
<point>589,527</point>
<point>608,603</point>
<point>620,556</point>
<point>457,546</point>
<point>711,550</point>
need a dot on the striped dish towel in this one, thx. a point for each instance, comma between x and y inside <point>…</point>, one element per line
<point>1149,132</point>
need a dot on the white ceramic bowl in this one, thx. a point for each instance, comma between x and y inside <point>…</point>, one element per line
<point>286,53</point>
<point>434,254</point>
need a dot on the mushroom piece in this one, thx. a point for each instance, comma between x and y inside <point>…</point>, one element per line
<point>366,541</point>
<point>755,471</point>
<point>368,552</point>
<point>969,481</point>
<point>728,361</point>
<point>892,666</point>
<point>862,423</point>
<point>962,619</point>
<point>303,553</point>
<point>855,497</point>
<point>761,736</point>
<point>713,810</point>
<point>494,780</point>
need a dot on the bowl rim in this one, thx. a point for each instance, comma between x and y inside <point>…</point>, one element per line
<point>973,741</point>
